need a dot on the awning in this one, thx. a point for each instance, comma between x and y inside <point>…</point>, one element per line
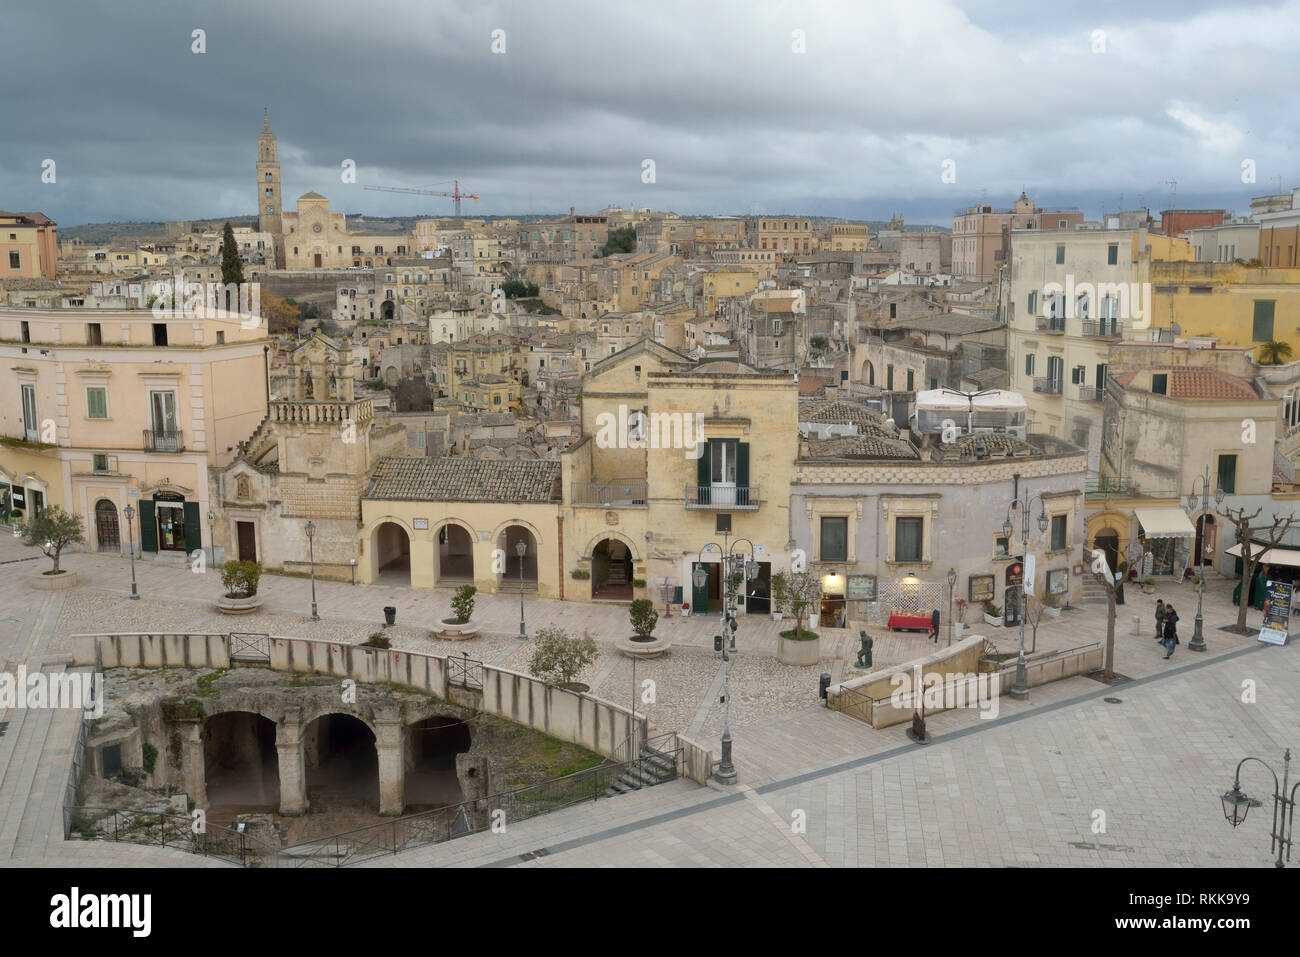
<point>1272,556</point>
<point>1165,522</point>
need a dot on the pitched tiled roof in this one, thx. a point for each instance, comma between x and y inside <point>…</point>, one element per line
<point>465,480</point>
<point>994,443</point>
<point>861,447</point>
<point>1208,384</point>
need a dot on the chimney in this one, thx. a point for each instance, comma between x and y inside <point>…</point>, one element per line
<point>570,210</point>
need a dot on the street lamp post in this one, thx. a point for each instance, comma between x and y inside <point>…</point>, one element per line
<point>726,642</point>
<point>1020,690</point>
<point>520,548</point>
<point>1198,631</point>
<point>129,512</point>
<point>311,557</point>
<point>212,538</point>
<point>952,583</point>
<point>1236,805</point>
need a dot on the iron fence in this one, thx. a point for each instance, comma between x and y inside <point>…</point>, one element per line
<point>855,704</point>
<point>250,647</point>
<point>465,671</point>
<point>169,829</point>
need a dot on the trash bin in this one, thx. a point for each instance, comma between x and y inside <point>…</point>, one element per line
<point>390,615</point>
<point>822,684</point>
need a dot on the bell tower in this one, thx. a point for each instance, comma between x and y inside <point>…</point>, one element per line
<point>268,184</point>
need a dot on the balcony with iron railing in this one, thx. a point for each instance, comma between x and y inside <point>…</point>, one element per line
<point>1123,488</point>
<point>624,494</point>
<point>1053,324</point>
<point>1102,328</point>
<point>156,440</point>
<point>741,498</point>
<point>1047,385</point>
<point>1091,394</point>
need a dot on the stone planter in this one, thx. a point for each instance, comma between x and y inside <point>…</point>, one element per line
<point>957,628</point>
<point>239,606</point>
<point>452,632</point>
<point>790,652</point>
<point>776,615</point>
<point>1051,612</point>
<point>994,622</point>
<point>63,580</point>
<point>576,687</point>
<point>643,649</point>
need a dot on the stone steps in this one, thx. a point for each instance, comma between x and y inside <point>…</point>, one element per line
<point>654,767</point>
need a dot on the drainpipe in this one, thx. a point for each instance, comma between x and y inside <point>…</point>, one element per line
<point>559,528</point>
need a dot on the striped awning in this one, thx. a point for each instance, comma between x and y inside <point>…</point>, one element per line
<point>1165,522</point>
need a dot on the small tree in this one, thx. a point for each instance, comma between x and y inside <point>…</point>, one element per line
<point>52,530</point>
<point>802,589</point>
<point>1249,556</point>
<point>1038,605</point>
<point>232,269</point>
<point>462,603</point>
<point>1101,569</point>
<point>558,657</point>
<point>644,618</point>
<point>1274,352</point>
<point>779,585</point>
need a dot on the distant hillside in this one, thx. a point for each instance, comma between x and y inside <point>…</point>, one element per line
<point>103,232</point>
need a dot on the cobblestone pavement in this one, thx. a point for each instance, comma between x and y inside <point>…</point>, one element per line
<point>1022,789</point>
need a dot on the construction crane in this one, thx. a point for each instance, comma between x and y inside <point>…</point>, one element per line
<point>456,194</point>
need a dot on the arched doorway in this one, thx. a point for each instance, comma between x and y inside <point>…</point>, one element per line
<point>107,532</point>
<point>1207,538</point>
<point>868,373</point>
<point>611,571</point>
<point>431,748</point>
<point>240,763</point>
<point>392,550</point>
<point>455,554</point>
<point>1108,541</point>
<point>341,762</point>
<point>508,542</point>
<point>386,310</point>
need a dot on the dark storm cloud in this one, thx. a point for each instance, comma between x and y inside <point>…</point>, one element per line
<point>1016,95</point>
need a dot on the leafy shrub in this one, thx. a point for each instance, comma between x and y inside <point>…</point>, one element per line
<point>148,757</point>
<point>644,618</point>
<point>558,656</point>
<point>580,574</point>
<point>378,640</point>
<point>462,603</point>
<point>241,578</point>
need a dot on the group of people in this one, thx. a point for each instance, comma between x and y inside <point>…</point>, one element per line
<point>1166,626</point>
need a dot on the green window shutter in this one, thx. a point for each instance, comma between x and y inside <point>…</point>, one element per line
<point>1263,327</point>
<point>702,473</point>
<point>96,403</point>
<point>148,528</point>
<point>193,530</point>
<point>742,473</point>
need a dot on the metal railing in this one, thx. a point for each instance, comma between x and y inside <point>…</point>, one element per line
<point>606,494</point>
<point>1047,385</point>
<point>739,497</point>
<point>1050,324</point>
<point>167,829</point>
<point>465,671</point>
<point>250,647</point>
<point>1091,394</point>
<point>854,703</point>
<point>1104,328</point>
<point>157,441</point>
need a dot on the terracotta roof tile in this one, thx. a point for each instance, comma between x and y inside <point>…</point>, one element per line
<point>465,480</point>
<point>1208,384</point>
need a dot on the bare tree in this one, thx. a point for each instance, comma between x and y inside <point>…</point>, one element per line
<point>1249,555</point>
<point>1101,569</point>
<point>1037,607</point>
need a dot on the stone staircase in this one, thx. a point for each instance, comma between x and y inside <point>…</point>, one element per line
<point>1094,590</point>
<point>654,767</point>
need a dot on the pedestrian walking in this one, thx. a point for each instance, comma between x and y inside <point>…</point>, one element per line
<point>1171,630</point>
<point>1160,619</point>
<point>934,625</point>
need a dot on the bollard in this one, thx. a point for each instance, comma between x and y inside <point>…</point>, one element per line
<point>823,683</point>
<point>1137,624</point>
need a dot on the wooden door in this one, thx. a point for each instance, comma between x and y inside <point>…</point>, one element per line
<point>247,541</point>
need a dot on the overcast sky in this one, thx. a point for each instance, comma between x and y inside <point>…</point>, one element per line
<point>1017,95</point>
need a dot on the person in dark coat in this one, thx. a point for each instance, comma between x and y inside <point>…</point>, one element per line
<point>1171,630</point>
<point>934,625</point>
<point>1160,619</point>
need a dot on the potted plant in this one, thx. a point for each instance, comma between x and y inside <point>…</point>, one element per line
<point>643,644</point>
<point>800,646</point>
<point>1148,586</point>
<point>559,657</point>
<point>459,625</point>
<point>52,530</point>
<point>240,579</point>
<point>993,614</point>
<point>686,609</point>
<point>580,574</point>
<point>378,640</point>
<point>959,623</point>
<point>1052,605</point>
<point>780,585</point>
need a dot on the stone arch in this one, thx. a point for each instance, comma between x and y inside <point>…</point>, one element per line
<point>508,534</point>
<point>613,533</point>
<point>613,567</point>
<point>453,551</point>
<point>240,761</point>
<point>340,750</point>
<point>868,374</point>
<point>108,534</point>
<point>388,551</point>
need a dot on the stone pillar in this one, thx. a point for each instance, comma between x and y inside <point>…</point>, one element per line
<point>194,770</point>
<point>392,770</point>
<point>293,776</point>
